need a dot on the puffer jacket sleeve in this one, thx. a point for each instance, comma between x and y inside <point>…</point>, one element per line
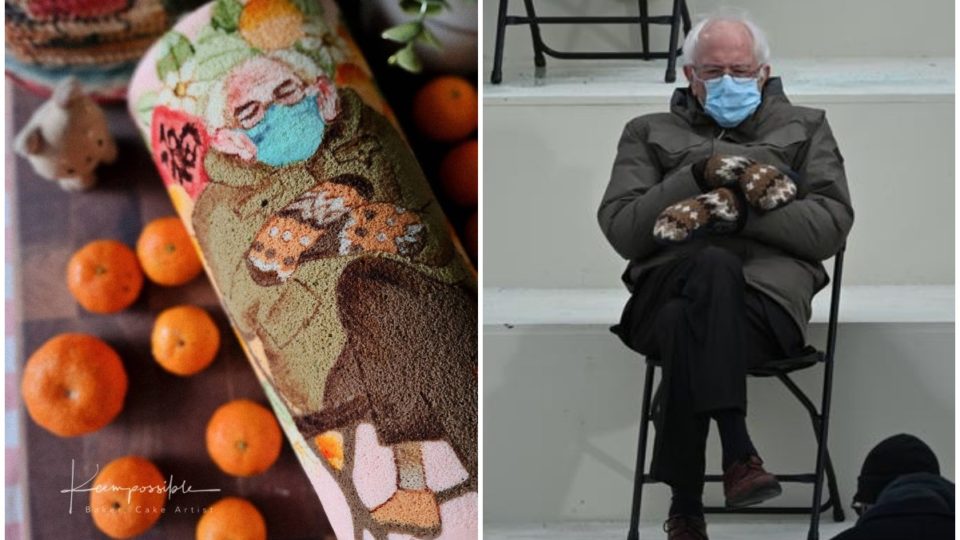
<point>814,226</point>
<point>638,191</point>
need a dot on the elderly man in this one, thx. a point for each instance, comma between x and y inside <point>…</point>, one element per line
<point>724,207</point>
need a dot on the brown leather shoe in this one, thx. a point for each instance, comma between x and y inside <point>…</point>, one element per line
<point>746,483</point>
<point>685,528</point>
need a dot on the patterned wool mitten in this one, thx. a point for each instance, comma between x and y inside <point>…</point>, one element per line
<point>717,212</point>
<point>764,186</point>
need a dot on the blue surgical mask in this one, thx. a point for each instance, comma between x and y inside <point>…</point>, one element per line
<point>731,100</point>
<point>288,133</point>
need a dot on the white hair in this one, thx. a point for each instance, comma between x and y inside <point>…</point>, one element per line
<point>300,64</point>
<point>761,47</point>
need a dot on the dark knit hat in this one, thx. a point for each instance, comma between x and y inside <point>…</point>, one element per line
<point>895,456</point>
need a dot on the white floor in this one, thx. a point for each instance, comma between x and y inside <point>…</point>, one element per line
<point>719,528</point>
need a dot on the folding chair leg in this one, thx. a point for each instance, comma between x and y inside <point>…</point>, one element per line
<point>822,446</point>
<point>824,464</point>
<point>674,33</point>
<point>644,27</point>
<point>497,74</point>
<point>814,533</point>
<point>538,59</point>
<point>685,13</point>
<point>838,514</point>
<point>634,532</point>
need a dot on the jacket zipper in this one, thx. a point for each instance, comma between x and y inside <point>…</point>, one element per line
<point>713,142</point>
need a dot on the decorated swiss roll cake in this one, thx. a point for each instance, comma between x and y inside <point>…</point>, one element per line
<point>354,303</point>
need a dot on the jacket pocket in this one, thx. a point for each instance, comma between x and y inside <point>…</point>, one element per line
<point>676,147</point>
<point>291,312</point>
<point>783,147</point>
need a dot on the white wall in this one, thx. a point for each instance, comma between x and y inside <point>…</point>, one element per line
<point>562,409</point>
<point>851,27</point>
<point>546,167</point>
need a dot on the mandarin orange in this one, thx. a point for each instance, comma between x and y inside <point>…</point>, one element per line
<point>104,276</point>
<point>128,497</point>
<point>232,518</point>
<point>167,254</point>
<point>445,109</point>
<point>458,174</point>
<point>73,384</point>
<point>185,340</point>
<point>243,438</point>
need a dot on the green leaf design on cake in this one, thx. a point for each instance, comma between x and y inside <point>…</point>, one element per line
<point>226,14</point>
<point>175,50</point>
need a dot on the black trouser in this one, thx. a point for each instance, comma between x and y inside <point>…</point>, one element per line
<point>697,315</point>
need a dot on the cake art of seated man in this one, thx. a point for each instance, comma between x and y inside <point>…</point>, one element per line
<point>336,270</point>
<point>331,257</point>
<point>725,207</point>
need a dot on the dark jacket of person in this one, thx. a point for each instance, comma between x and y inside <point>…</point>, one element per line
<point>781,249</point>
<point>916,506</point>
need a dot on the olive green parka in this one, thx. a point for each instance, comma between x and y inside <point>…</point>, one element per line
<point>782,250</point>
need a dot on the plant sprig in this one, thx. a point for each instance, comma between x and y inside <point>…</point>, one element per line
<point>412,32</point>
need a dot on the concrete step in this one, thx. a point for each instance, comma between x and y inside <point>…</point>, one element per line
<point>562,408</point>
<point>602,307</point>
<point>719,528</point>
<point>549,149</point>
<point>820,79</point>
<point>814,28</point>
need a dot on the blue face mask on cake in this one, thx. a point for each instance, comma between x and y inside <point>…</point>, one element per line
<point>731,100</point>
<point>288,133</point>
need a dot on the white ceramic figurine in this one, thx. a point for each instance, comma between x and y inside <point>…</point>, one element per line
<point>67,137</point>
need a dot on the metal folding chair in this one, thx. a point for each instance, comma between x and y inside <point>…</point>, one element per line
<point>540,49</point>
<point>779,369</point>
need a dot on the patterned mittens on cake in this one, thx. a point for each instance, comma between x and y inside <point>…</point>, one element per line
<point>764,186</point>
<point>716,212</point>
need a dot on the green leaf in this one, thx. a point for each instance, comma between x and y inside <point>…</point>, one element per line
<point>175,51</point>
<point>426,36</point>
<point>218,52</point>
<point>226,14</point>
<point>403,33</point>
<point>407,59</point>
<point>145,105</point>
<point>436,6</point>
<point>410,6</point>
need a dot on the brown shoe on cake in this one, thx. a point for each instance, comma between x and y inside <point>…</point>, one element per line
<point>682,527</point>
<point>746,483</point>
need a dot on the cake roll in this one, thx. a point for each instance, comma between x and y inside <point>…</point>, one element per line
<point>352,298</point>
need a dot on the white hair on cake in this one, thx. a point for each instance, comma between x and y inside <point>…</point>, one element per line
<point>216,105</point>
<point>302,65</point>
